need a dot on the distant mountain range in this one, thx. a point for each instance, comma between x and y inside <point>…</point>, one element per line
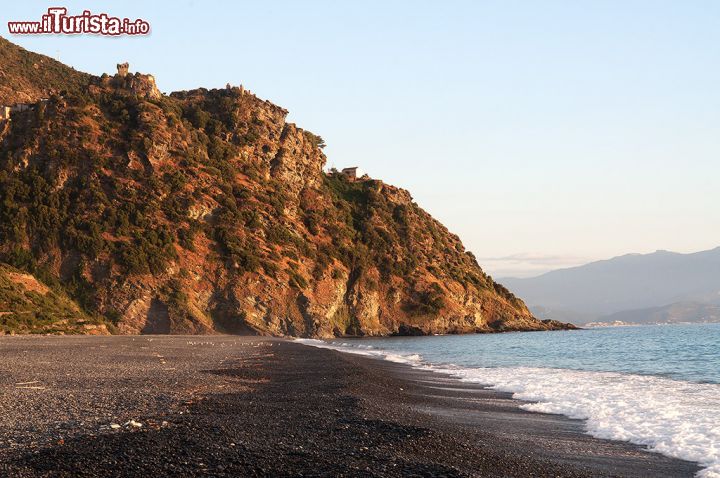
<point>662,287</point>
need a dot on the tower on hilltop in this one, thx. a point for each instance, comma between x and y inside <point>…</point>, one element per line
<point>123,69</point>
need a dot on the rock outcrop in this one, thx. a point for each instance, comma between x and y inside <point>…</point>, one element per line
<point>138,84</point>
<point>205,211</point>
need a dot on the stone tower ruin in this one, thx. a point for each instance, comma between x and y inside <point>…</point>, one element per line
<point>123,69</point>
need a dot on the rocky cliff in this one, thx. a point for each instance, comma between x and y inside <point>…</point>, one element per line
<point>206,211</point>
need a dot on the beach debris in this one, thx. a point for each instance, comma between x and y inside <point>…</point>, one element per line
<point>115,426</point>
<point>29,385</point>
<point>133,424</point>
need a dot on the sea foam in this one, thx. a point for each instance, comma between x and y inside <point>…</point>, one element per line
<point>367,350</point>
<point>678,419</point>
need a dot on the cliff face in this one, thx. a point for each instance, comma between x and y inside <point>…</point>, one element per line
<point>205,211</point>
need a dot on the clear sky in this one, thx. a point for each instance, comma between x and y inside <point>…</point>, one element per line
<point>544,133</point>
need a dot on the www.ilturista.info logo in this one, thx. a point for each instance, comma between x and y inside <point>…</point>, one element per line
<point>57,21</point>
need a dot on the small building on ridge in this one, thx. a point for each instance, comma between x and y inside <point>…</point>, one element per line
<point>352,173</point>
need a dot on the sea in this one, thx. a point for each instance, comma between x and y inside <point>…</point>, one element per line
<point>656,386</point>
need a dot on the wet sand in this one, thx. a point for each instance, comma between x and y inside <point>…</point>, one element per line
<point>243,406</point>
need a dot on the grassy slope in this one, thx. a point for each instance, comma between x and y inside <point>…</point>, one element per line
<point>26,77</point>
<point>29,306</point>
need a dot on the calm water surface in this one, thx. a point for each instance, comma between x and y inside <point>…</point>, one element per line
<point>681,352</point>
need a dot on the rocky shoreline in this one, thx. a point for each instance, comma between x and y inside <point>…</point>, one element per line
<point>241,406</point>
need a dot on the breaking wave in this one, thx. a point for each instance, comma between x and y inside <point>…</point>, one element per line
<point>676,418</point>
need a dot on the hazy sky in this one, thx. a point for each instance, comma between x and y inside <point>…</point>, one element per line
<point>544,133</point>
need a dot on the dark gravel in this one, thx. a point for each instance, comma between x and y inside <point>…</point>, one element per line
<point>232,406</point>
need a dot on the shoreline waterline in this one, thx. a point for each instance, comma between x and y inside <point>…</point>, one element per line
<point>676,418</point>
<point>289,409</point>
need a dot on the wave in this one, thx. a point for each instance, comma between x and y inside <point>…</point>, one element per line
<point>368,350</point>
<point>675,418</point>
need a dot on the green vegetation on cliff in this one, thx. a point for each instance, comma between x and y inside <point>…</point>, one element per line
<point>26,77</point>
<point>204,210</point>
<point>30,306</point>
